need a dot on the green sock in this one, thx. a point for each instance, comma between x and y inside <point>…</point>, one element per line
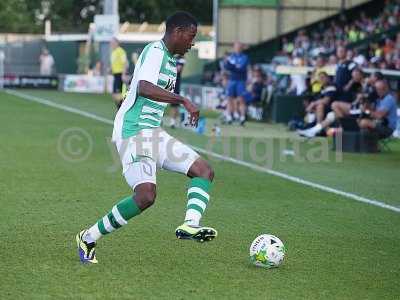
<point>116,218</point>
<point>198,198</point>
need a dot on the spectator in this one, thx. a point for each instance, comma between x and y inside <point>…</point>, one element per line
<point>223,98</point>
<point>316,85</point>
<point>340,109</point>
<point>332,61</point>
<point>297,81</point>
<point>119,65</point>
<point>353,86</point>
<point>382,120</point>
<point>326,38</point>
<point>96,71</point>
<point>348,98</point>
<point>388,48</point>
<point>287,46</point>
<point>253,95</point>
<point>320,106</point>
<point>359,58</point>
<point>369,87</point>
<point>236,64</point>
<point>343,70</point>
<point>46,63</point>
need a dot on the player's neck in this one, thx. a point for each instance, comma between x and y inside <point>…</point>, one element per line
<point>167,43</point>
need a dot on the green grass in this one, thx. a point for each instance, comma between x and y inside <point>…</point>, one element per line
<point>369,175</point>
<point>337,248</point>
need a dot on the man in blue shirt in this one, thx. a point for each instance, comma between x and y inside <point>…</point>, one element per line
<point>236,63</point>
<point>383,119</point>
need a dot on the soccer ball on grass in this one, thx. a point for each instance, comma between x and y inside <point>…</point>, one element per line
<point>267,251</point>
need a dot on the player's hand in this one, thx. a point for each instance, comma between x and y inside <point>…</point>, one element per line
<point>194,112</point>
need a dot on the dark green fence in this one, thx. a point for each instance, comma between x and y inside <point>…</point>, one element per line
<point>284,108</point>
<point>65,55</point>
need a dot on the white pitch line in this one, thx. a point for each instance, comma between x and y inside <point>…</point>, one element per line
<point>219,156</point>
<point>59,106</point>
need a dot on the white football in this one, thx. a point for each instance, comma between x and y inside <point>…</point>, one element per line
<point>267,251</point>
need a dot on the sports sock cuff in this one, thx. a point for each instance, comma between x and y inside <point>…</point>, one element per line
<point>128,208</point>
<point>201,183</point>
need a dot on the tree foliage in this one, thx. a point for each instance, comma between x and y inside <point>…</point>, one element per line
<point>75,15</point>
<point>156,11</point>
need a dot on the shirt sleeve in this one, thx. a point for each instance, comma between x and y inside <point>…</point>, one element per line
<point>386,104</point>
<point>151,65</point>
<point>124,58</point>
<point>242,63</point>
<point>229,65</point>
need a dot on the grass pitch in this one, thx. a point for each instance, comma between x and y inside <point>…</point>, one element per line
<point>337,248</point>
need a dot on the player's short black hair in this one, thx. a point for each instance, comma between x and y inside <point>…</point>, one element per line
<point>181,19</point>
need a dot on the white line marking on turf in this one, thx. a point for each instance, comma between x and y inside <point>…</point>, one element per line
<point>219,156</point>
<point>59,106</point>
<point>301,181</point>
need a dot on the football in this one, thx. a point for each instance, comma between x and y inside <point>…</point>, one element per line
<point>267,251</point>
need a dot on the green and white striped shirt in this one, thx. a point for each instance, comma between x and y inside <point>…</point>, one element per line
<point>156,65</point>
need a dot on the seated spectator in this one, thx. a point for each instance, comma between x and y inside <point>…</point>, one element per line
<point>316,85</point>
<point>369,90</point>
<point>328,36</point>
<point>352,88</point>
<point>381,120</point>
<point>223,98</point>
<point>253,93</point>
<point>340,108</point>
<point>321,105</point>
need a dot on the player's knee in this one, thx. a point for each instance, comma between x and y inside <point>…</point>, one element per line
<point>145,196</point>
<point>147,199</point>
<point>207,172</point>
<point>201,169</point>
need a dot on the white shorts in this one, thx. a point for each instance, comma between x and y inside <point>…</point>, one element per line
<point>153,149</point>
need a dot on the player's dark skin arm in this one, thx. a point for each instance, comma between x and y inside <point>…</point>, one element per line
<point>148,90</point>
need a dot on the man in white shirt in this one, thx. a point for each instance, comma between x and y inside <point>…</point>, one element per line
<point>46,63</point>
